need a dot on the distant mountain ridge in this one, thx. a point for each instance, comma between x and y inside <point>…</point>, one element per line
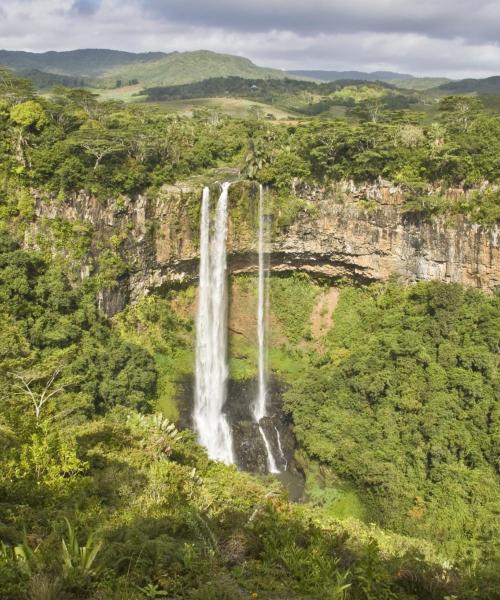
<point>351,75</point>
<point>488,85</point>
<point>103,68</point>
<point>106,67</point>
<point>89,62</point>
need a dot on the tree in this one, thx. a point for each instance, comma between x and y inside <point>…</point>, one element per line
<point>368,110</point>
<point>460,111</point>
<point>27,382</point>
<point>13,88</point>
<point>98,141</point>
<point>30,115</point>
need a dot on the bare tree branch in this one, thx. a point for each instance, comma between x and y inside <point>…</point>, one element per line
<point>38,399</point>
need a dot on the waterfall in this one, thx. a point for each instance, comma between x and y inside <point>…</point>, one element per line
<point>211,333</point>
<point>280,448</point>
<point>260,405</point>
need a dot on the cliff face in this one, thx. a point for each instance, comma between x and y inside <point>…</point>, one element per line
<point>373,245</point>
<point>338,237</point>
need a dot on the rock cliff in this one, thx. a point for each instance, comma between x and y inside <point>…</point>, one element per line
<point>337,237</point>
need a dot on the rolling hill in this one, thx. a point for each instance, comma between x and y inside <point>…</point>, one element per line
<point>44,80</point>
<point>106,67</point>
<point>401,80</point>
<point>488,85</point>
<point>308,98</point>
<point>188,67</point>
<point>75,63</point>
<point>419,84</point>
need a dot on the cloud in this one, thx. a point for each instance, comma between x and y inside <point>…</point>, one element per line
<point>447,37</point>
<point>475,20</point>
<point>85,7</point>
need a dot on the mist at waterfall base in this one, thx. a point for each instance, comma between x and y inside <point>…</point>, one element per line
<point>211,375</point>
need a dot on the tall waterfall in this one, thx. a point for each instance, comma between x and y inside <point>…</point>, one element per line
<point>260,405</point>
<point>211,333</point>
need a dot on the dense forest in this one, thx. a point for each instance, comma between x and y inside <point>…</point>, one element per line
<point>395,411</point>
<point>410,372</point>
<point>71,141</point>
<point>306,97</point>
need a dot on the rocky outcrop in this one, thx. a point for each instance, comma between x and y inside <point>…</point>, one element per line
<point>249,449</point>
<point>338,236</point>
<point>371,245</point>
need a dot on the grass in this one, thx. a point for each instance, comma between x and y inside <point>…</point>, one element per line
<point>242,358</point>
<point>234,107</point>
<point>170,370</point>
<point>324,489</point>
<point>126,93</point>
<point>419,83</point>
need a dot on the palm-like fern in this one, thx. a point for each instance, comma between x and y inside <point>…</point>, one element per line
<point>154,424</point>
<point>79,558</point>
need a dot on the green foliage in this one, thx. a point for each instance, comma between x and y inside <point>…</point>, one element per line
<point>79,560</point>
<point>58,353</point>
<point>401,404</point>
<point>482,206</point>
<point>14,582</point>
<point>29,114</point>
<point>292,299</point>
<point>70,141</point>
<point>305,97</point>
<point>153,324</point>
<point>336,498</point>
<point>397,404</point>
<point>156,517</point>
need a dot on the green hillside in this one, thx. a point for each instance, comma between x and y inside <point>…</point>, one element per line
<point>106,67</point>
<point>187,67</point>
<point>81,63</point>
<point>489,85</point>
<point>44,80</point>
<point>304,97</point>
<point>355,75</point>
<point>419,84</point>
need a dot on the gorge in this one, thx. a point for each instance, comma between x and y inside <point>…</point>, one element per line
<point>312,361</point>
<point>284,386</point>
<point>332,237</point>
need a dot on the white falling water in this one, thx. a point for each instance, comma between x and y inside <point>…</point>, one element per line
<point>211,333</point>
<point>260,405</point>
<point>282,454</point>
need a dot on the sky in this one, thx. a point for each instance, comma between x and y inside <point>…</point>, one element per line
<point>454,38</point>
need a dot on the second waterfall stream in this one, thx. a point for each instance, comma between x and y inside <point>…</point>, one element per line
<point>260,405</point>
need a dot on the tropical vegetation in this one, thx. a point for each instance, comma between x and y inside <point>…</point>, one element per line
<point>395,409</point>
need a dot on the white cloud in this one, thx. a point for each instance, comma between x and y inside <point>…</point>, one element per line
<point>445,37</point>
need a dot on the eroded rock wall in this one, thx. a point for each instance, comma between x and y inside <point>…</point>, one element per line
<point>339,236</point>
